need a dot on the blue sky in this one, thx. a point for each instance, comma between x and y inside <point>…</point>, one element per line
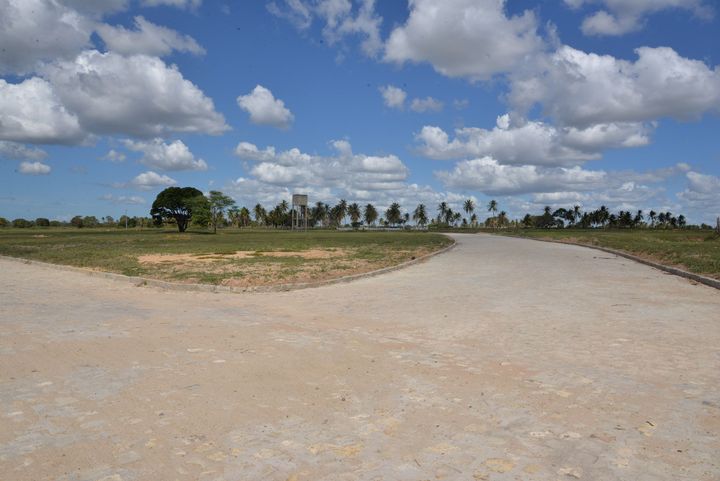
<point>103,104</point>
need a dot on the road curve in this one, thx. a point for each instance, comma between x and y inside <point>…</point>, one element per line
<point>501,359</point>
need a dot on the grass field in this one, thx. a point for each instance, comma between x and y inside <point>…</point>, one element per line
<point>693,250</point>
<point>230,257</point>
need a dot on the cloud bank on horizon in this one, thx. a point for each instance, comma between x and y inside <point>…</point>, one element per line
<point>586,102</point>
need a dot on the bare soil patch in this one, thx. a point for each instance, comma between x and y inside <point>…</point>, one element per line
<point>205,258</point>
<point>263,268</point>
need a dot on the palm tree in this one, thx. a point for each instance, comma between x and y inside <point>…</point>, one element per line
<point>320,213</point>
<point>449,216</point>
<point>260,214</point>
<point>603,215</point>
<point>370,214</point>
<point>420,215</point>
<point>502,218</point>
<point>342,206</point>
<point>244,217</point>
<point>638,218</point>
<point>442,211</point>
<point>576,213</point>
<point>492,208</point>
<point>354,213</point>
<point>469,206</point>
<point>393,214</point>
<point>234,216</point>
<point>653,215</point>
<point>456,218</point>
<point>335,216</point>
<point>473,219</point>
<point>279,215</point>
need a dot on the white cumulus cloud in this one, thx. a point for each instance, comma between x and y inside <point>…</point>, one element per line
<point>265,109</point>
<point>96,8</point>
<point>163,156</point>
<point>464,38</point>
<point>34,168</point>
<point>340,19</point>
<point>428,104</point>
<point>147,38</point>
<point>186,4</point>
<point>344,172</point>
<point>581,89</point>
<point>137,95</point>
<point>123,199</point>
<point>32,112</point>
<point>393,97</point>
<point>150,180</point>
<point>487,175</point>
<point>16,151</point>
<point>533,142</point>
<point>34,31</point>
<point>248,151</point>
<point>702,193</point>
<point>114,156</point>
<point>623,16</point>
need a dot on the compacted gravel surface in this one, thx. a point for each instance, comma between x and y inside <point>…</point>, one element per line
<point>502,359</point>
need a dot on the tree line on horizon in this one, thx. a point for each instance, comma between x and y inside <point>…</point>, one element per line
<point>183,206</point>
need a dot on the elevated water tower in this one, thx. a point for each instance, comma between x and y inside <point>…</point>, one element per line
<point>299,212</point>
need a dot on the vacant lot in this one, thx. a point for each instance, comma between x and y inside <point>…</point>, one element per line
<point>696,251</point>
<point>231,257</point>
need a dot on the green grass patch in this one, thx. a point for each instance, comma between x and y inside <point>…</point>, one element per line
<point>209,258</point>
<point>693,250</point>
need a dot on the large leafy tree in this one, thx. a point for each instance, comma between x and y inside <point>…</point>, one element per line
<point>175,203</point>
<point>218,203</point>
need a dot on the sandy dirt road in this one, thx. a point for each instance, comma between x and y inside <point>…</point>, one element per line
<point>503,359</point>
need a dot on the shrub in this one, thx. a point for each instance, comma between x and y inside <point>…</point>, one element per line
<point>22,223</point>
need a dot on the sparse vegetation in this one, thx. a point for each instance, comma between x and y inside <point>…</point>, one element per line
<point>233,256</point>
<point>694,250</point>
